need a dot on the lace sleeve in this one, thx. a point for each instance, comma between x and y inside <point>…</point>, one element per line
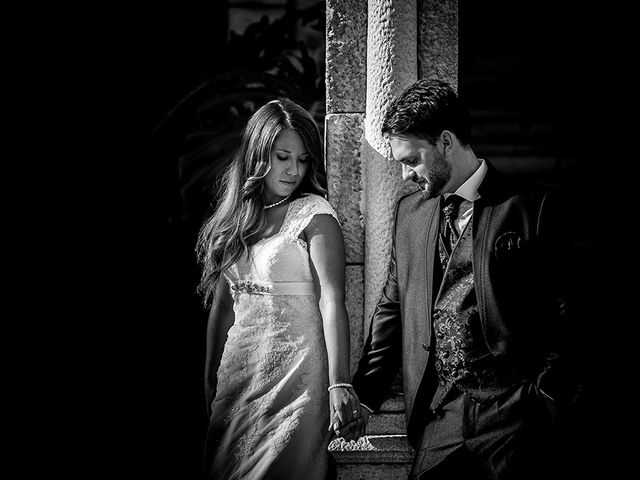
<point>305,209</point>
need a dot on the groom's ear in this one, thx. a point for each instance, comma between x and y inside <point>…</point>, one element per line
<point>446,138</point>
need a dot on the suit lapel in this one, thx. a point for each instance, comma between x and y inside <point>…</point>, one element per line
<point>432,219</point>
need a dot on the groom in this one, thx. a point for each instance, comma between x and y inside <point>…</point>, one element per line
<point>474,308</point>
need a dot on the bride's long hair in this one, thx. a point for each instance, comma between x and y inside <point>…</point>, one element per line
<point>239,218</point>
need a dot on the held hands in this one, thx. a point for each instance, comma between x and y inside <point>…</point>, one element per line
<point>348,419</point>
<point>354,430</point>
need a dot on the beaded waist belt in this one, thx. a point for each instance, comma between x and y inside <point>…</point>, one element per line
<point>278,288</point>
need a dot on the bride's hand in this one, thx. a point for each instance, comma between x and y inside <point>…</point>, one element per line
<point>345,410</point>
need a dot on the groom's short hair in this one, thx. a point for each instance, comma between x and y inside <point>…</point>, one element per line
<point>425,109</point>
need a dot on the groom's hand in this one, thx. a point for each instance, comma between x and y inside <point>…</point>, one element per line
<point>356,428</point>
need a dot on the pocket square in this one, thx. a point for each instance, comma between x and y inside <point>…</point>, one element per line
<point>507,244</point>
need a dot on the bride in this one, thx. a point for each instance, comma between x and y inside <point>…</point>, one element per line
<point>273,267</point>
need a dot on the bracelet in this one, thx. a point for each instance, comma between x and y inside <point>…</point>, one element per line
<point>339,385</point>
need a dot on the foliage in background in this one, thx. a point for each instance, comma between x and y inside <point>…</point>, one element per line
<point>197,138</point>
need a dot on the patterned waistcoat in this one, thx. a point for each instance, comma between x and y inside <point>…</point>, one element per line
<point>462,359</point>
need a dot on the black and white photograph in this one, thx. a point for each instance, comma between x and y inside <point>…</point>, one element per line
<point>343,240</point>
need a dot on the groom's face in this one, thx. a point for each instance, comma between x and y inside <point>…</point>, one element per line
<point>422,163</point>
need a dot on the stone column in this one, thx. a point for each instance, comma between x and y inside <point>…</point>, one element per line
<point>375,50</point>
<point>391,67</point>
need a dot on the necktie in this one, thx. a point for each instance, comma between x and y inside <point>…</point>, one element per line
<point>450,213</point>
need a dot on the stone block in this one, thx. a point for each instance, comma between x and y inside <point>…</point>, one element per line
<point>346,55</point>
<point>343,143</point>
<point>387,423</point>
<point>438,40</point>
<point>372,449</point>
<point>395,403</point>
<point>397,471</point>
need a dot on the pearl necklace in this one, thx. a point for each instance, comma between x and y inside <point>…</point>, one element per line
<point>267,207</point>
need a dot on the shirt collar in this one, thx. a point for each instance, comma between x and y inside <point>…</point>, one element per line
<point>469,189</point>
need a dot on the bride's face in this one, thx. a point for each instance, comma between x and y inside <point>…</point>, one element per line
<point>289,162</point>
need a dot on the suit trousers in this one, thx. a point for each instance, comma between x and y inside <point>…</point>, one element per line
<point>505,436</point>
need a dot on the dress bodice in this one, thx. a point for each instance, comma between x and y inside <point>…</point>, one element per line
<point>283,257</point>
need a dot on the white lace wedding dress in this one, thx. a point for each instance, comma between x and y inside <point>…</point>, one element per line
<point>270,416</point>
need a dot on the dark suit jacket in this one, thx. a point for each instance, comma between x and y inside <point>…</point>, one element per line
<point>518,246</point>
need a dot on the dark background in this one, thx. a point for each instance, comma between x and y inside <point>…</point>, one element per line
<point>132,374</point>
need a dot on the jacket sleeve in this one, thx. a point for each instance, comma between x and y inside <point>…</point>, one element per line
<point>382,352</point>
